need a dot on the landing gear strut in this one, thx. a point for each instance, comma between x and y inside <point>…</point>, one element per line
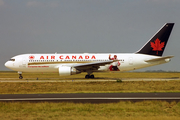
<point>89,76</point>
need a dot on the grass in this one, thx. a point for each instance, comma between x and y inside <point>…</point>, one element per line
<point>89,87</point>
<point>151,110</point>
<point>104,75</point>
<point>124,110</point>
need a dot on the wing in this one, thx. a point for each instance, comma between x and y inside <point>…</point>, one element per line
<point>93,65</point>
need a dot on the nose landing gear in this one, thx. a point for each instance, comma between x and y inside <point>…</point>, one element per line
<point>20,75</point>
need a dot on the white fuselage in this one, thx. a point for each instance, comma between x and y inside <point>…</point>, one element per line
<point>51,62</point>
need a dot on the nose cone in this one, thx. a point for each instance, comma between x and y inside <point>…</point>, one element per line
<point>8,64</point>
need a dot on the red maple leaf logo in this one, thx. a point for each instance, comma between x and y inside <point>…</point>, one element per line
<point>157,45</point>
<point>31,57</point>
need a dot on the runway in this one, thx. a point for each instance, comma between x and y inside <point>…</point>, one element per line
<point>90,97</point>
<point>85,80</point>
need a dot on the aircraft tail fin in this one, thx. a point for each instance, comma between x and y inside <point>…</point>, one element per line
<point>156,45</point>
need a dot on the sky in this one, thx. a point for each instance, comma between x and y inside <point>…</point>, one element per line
<point>86,26</point>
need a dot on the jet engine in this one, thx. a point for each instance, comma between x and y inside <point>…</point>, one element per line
<point>65,71</point>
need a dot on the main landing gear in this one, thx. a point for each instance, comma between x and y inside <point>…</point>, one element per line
<point>89,76</point>
<point>20,75</point>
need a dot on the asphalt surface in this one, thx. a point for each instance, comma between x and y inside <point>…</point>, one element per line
<point>90,97</point>
<point>86,80</point>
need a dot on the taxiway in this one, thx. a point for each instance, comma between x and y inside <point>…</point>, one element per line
<point>90,97</point>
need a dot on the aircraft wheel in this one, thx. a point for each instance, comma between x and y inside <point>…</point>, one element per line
<point>20,77</point>
<point>87,76</point>
<point>92,76</point>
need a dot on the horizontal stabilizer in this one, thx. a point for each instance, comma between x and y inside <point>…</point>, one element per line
<point>158,59</point>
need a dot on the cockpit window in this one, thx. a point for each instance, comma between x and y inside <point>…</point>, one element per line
<point>12,59</point>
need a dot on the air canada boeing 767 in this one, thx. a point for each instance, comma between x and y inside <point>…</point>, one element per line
<point>69,64</point>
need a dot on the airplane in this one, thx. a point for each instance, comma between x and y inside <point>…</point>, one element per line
<point>70,64</point>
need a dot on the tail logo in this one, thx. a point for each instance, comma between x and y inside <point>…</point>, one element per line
<point>157,45</point>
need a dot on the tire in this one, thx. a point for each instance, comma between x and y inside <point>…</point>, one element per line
<point>87,76</point>
<point>20,77</point>
<point>92,76</point>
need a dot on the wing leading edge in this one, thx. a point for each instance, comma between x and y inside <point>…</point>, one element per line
<point>93,65</point>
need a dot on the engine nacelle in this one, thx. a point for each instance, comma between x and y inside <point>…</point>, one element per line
<point>65,71</point>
